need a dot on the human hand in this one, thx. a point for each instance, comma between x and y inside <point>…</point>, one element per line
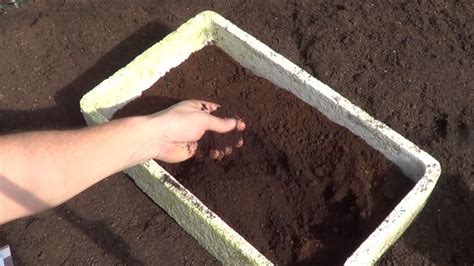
<point>178,128</point>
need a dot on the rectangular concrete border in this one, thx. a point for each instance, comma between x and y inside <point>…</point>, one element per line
<point>99,105</point>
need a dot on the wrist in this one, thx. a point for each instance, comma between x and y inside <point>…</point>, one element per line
<point>146,133</point>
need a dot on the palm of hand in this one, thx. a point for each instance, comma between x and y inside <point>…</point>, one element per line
<point>183,124</point>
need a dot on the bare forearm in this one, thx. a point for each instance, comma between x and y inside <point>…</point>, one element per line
<point>39,170</point>
<point>53,166</point>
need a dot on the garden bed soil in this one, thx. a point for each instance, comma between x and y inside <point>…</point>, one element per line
<point>302,189</point>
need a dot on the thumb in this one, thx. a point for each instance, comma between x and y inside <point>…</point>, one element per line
<point>220,125</point>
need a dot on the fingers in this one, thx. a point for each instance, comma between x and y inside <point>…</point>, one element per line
<point>220,125</point>
<point>240,125</point>
<point>224,125</point>
<point>219,155</point>
<point>227,150</point>
<point>217,124</point>
<point>216,155</point>
<point>239,143</point>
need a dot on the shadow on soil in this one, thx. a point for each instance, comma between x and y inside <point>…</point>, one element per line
<point>66,114</point>
<point>98,231</point>
<point>108,240</point>
<point>445,215</point>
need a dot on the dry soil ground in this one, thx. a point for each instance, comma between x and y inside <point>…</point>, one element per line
<point>408,63</point>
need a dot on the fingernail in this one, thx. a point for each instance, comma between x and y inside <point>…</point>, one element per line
<point>228,150</point>
<point>221,156</point>
<point>240,125</point>
<point>214,154</point>
<point>239,143</point>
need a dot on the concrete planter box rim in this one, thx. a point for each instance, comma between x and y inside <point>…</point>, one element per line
<point>208,27</point>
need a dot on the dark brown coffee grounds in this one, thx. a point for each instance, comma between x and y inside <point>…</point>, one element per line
<point>302,189</point>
